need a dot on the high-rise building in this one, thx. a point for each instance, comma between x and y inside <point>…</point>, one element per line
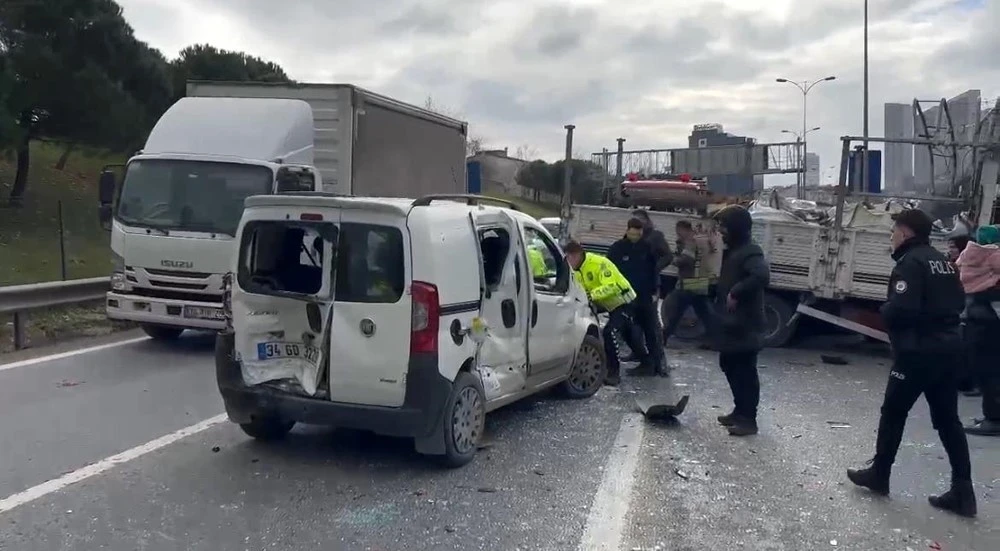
<point>712,135</point>
<point>898,157</point>
<point>934,169</point>
<point>812,170</point>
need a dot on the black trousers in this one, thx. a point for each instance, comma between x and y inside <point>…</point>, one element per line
<point>684,300</point>
<point>646,320</point>
<point>985,359</point>
<point>740,369</point>
<point>620,321</point>
<point>933,376</point>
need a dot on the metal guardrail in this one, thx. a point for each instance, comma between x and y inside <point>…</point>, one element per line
<point>18,299</point>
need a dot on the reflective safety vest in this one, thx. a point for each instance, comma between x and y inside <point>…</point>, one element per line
<point>537,262</point>
<point>605,285</point>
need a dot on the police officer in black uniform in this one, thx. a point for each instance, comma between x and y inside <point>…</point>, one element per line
<point>921,315</point>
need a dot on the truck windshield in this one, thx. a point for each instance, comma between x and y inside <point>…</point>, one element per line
<point>200,196</point>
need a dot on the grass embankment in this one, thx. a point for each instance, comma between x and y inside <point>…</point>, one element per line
<point>29,238</point>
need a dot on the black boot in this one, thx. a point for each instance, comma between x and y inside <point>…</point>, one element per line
<point>985,427</point>
<point>612,379</point>
<point>743,426</point>
<point>872,477</point>
<point>727,420</point>
<point>960,499</point>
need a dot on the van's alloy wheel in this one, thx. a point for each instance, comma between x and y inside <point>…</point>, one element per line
<point>586,372</point>
<point>589,369</point>
<point>467,420</point>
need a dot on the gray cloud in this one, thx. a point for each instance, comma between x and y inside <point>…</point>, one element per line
<point>518,77</point>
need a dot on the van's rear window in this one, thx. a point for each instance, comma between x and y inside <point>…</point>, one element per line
<point>370,264</point>
<point>280,257</point>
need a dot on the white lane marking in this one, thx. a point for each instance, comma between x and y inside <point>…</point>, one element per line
<point>94,469</point>
<point>605,528</point>
<point>70,353</point>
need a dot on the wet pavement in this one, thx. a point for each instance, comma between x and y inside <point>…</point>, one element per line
<point>553,474</point>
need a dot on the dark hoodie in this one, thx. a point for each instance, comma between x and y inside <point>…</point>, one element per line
<point>656,240</point>
<point>745,275</point>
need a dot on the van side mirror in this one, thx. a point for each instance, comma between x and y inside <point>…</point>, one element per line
<point>106,187</point>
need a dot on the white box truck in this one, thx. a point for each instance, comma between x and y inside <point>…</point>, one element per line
<point>173,215</point>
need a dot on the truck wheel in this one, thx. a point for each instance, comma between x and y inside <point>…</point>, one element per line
<point>267,428</point>
<point>589,369</point>
<point>777,315</point>
<point>464,420</point>
<point>161,333</point>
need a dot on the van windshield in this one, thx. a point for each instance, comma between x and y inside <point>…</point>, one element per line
<point>169,194</point>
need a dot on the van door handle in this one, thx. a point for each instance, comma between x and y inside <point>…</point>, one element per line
<point>534,313</point>
<point>561,301</point>
<point>508,312</point>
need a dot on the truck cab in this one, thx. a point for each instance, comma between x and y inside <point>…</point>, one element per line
<point>174,214</point>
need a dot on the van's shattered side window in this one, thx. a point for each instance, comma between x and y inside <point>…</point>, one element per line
<point>278,257</point>
<point>495,244</point>
<point>370,264</point>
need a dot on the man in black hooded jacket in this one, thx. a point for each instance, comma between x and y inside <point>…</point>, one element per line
<point>635,258</point>
<point>739,305</point>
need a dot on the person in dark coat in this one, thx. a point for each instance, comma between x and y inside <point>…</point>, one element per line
<point>967,383</point>
<point>637,261</point>
<point>656,240</point>
<point>922,316</point>
<point>739,307</point>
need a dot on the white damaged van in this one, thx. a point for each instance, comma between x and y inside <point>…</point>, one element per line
<point>409,318</point>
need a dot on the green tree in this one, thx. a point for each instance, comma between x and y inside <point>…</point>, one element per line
<point>78,75</point>
<point>586,181</point>
<point>205,62</point>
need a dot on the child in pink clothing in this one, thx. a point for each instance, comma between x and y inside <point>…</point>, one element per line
<point>979,264</point>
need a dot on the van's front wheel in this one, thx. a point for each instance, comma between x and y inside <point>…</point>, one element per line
<point>590,366</point>
<point>464,420</point>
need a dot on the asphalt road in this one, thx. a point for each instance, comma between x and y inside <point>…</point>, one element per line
<point>555,474</point>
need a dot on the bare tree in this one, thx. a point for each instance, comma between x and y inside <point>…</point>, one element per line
<point>473,145</point>
<point>526,152</point>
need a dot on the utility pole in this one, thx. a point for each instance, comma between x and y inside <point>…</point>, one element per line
<point>621,151</point>
<point>567,178</point>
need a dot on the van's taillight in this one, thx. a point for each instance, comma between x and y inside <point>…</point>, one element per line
<point>426,318</point>
<point>308,216</point>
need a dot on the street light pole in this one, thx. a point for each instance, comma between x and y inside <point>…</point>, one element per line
<point>864,158</point>
<point>804,87</point>
<point>800,180</point>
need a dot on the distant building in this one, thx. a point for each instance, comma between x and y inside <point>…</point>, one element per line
<point>713,135</point>
<point>897,157</point>
<point>498,171</point>
<point>812,170</point>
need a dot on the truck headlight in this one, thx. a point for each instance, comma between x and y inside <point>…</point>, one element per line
<point>119,283</point>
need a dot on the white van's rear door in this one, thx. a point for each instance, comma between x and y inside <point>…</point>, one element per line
<point>284,290</point>
<point>370,332</point>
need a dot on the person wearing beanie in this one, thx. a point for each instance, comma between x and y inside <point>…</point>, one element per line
<point>739,306</point>
<point>922,314</point>
<point>979,270</point>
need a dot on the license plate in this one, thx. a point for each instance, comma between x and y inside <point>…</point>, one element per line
<point>293,350</point>
<point>201,312</point>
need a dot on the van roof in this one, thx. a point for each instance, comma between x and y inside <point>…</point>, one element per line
<point>391,205</point>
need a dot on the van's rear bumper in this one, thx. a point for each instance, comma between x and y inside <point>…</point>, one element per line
<point>426,395</point>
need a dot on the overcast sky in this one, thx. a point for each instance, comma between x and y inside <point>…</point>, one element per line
<point>646,70</point>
